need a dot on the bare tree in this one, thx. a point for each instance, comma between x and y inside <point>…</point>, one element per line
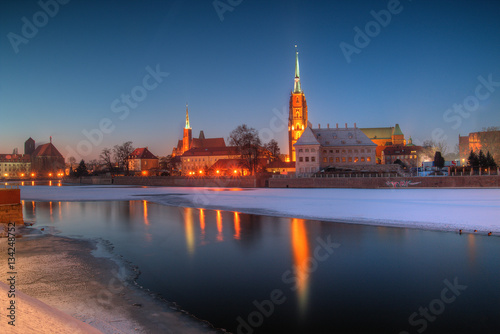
<point>273,149</point>
<point>247,141</point>
<point>430,147</point>
<point>122,153</point>
<point>106,157</point>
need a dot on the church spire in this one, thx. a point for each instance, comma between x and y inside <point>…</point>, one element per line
<point>187,118</point>
<point>296,86</point>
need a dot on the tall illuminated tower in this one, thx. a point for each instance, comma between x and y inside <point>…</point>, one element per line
<point>187,136</point>
<point>297,118</point>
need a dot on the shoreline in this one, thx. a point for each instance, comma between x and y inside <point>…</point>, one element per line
<point>66,274</point>
<point>447,210</point>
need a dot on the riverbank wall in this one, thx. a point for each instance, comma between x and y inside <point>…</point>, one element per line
<point>484,181</point>
<point>10,206</point>
<point>176,181</point>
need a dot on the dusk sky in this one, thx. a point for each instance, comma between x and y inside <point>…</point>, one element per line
<point>237,66</point>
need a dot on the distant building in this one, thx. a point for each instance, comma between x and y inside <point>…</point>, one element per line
<point>15,165</point>
<point>408,154</point>
<point>281,167</point>
<point>142,160</point>
<point>385,137</point>
<point>46,159</point>
<point>29,146</point>
<point>188,142</point>
<point>331,147</point>
<point>198,160</point>
<point>476,141</point>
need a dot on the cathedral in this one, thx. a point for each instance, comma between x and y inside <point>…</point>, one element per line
<point>188,142</point>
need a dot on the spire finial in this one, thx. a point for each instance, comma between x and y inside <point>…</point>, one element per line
<point>51,139</point>
<point>296,86</point>
<point>187,117</point>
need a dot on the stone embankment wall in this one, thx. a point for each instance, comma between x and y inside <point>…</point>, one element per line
<point>485,181</point>
<point>10,206</point>
<point>166,181</point>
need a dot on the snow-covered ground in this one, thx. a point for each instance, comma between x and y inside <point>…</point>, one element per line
<point>437,209</point>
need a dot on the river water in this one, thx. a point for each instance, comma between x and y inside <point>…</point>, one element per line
<point>258,274</point>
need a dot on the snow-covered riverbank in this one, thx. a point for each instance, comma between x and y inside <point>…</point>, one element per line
<point>435,209</point>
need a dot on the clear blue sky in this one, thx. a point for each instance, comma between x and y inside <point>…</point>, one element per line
<point>65,78</point>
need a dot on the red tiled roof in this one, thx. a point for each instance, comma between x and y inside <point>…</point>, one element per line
<point>142,153</point>
<point>225,150</point>
<point>15,158</point>
<point>208,142</point>
<point>281,164</point>
<point>47,150</point>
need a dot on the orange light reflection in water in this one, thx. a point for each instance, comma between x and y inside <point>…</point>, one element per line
<point>60,211</point>
<point>301,256</point>
<point>189,229</point>
<point>202,223</point>
<point>237,227</point>
<point>220,237</point>
<point>51,216</point>
<point>145,209</point>
<point>471,244</point>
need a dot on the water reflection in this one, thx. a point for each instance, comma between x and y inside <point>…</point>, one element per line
<point>189,230</point>
<point>202,224</point>
<point>301,256</point>
<point>217,263</point>
<point>220,236</point>
<point>237,227</point>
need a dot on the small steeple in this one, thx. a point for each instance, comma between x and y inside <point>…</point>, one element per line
<point>187,118</point>
<point>296,85</point>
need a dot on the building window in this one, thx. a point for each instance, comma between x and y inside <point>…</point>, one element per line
<point>343,159</point>
<point>307,159</point>
<point>343,151</point>
<point>356,159</point>
<point>362,159</point>
<point>313,159</point>
<point>337,151</point>
<point>349,151</point>
<point>350,159</point>
<point>307,150</point>
<point>300,150</point>
<point>324,151</point>
<point>301,159</point>
<point>369,150</point>
<point>368,159</point>
<point>324,159</point>
<point>331,159</point>
<point>362,150</point>
<point>355,151</point>
<point>313,150</point>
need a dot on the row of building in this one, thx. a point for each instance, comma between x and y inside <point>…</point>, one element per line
<point>309,149</point>
<point>37,161</point>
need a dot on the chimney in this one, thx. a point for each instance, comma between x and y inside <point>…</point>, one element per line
<point>328,125</point>
<point>337,125</point>
<point>346,125</point>
<point>355,125</point>
<point>319,126</point>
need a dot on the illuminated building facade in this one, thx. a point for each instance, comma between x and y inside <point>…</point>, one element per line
<point>142,161</point>
<point>333,147</point>
<point>487,141</point>
<point>385,137</point>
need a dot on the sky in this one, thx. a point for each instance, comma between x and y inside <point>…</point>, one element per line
<point>95,74</point>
